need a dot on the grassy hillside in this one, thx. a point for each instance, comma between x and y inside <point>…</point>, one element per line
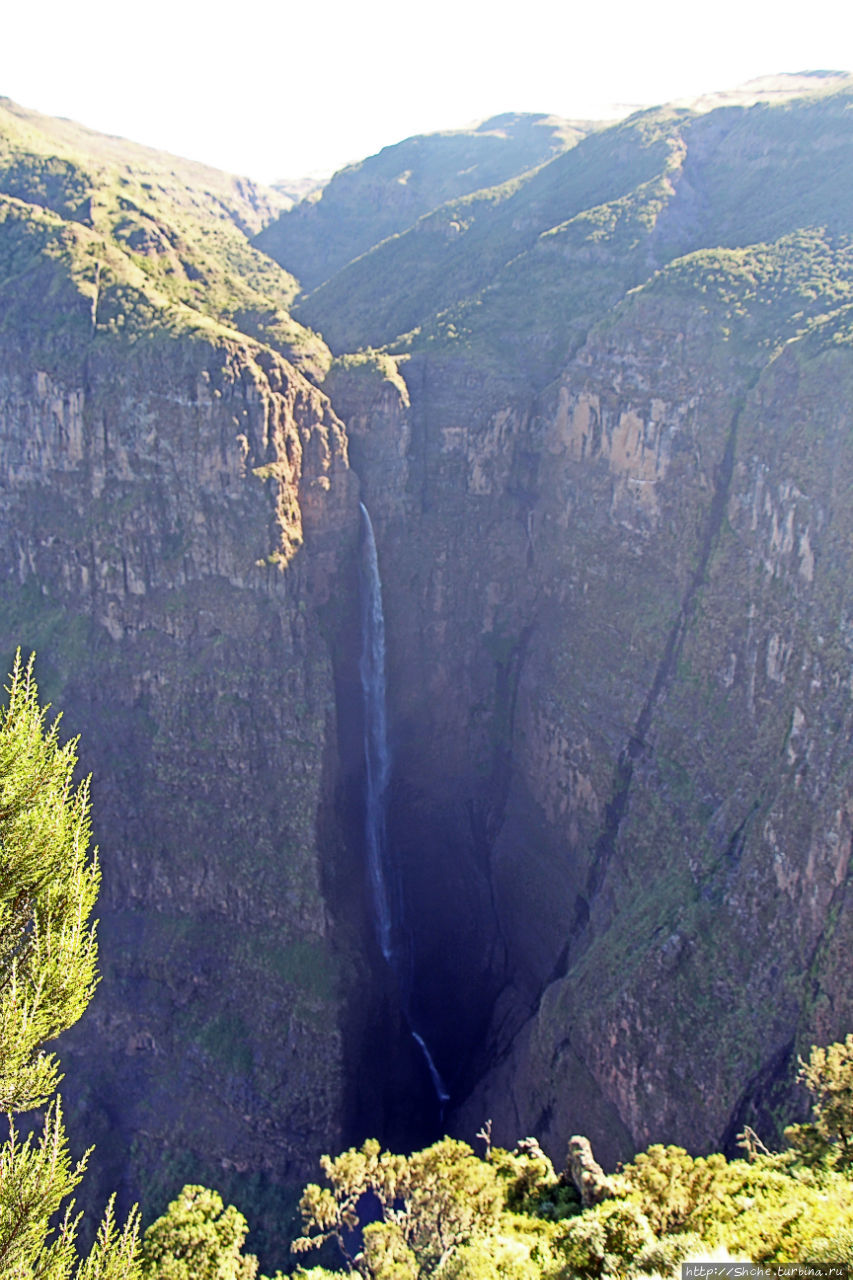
<point>514,275</point>
<point>123,234</point>
<point>385,194</point>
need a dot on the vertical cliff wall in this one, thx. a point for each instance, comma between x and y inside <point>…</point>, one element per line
<point>175,513</point>
<point>620,698</point>
<point>605,450</point>
<point>674,713</point>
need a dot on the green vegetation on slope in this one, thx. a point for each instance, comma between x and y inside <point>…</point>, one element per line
<point>386,193</point>
<point>48,952</point>
<point>445,1212</point>
<point>455,251</point>
<point>515,275</point>
<point>535,309</point>
<point>140,238</point>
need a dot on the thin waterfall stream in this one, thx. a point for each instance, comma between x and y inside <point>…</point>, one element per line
<point>377,761</point>
<point>386,898</point>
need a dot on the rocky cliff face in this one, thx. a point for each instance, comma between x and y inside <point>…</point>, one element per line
<point>176,511</point>
<point>606,456</point>
<point>625,838</point>
<point>659,729</point>
<point>178,508</point>
<point>620,689</point>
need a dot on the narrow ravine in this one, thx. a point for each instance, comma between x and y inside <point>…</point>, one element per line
<point>382,873</point>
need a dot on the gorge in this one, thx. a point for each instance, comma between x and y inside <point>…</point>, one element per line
<point>385,890</point>
<point>553,824</point>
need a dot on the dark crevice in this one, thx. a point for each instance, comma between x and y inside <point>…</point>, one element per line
<point>719,878</point>
<point>767,1094</point>
<point>638,740</point>
<point>486,825</point>
<point>460,960</point>
<point>734,848</point>
<point>458,989</point>
<point>485,829</point>
<point>388,1092</point>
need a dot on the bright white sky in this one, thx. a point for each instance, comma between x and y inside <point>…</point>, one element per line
<point>285,88</point>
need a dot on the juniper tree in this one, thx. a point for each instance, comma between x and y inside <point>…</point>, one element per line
<point>828,1075</point>
<point>48,953</point>
<point>432,1203</point>
<point>198,1238</point>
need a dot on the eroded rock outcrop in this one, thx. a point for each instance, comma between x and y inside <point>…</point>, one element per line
<point>586,1173</point>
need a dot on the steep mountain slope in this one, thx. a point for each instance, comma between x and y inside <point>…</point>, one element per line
<point>609,514</point>
<point>459,249</point>
<point>385,194</point>
<point>524,258</point>
<point>176,505</point>
<point>176,229</point>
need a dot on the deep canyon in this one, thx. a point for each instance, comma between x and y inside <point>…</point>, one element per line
<point>594,386</point>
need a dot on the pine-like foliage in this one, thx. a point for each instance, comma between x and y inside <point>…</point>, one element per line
<point>198,1238</point>
<point>828,1075</point>
<point>48,954</point>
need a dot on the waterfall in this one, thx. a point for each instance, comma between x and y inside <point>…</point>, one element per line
<point>437,1082</point>
<point>376,756</point>
<point>377,762</point>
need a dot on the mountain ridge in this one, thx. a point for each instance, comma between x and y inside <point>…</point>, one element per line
<point>402,182</point>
